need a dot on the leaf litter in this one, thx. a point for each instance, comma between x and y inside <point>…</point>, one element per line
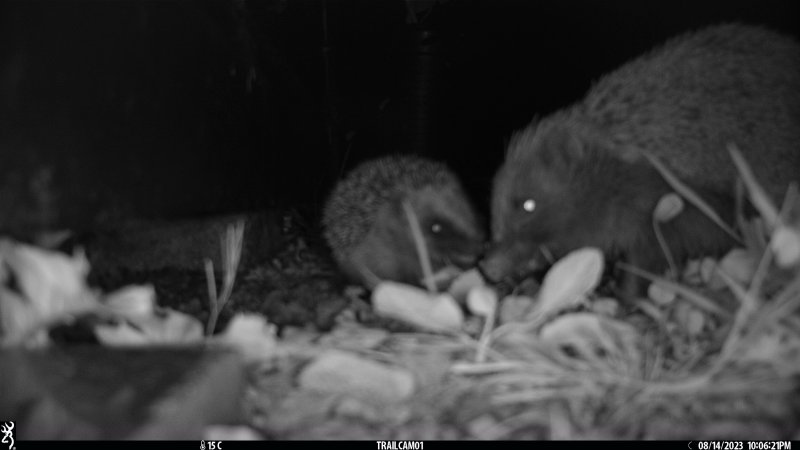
<point>712,353</point>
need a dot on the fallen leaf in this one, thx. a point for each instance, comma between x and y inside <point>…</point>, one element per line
<point>444,277</point>
<point>176,328</point>
<point>53,282</point>
<point>438,312</point>
<point>340,372</point>
<point>690,318</point>
<point>708,270</point>
<point>252,335</point>
<point>48,286</point>
<point>768,348</point>
<point>570,280</point>
<point>347,336</point>
<point>131,301</point>
<point>591,336</point>
<point>739,264</point>
<point>121,334</point>
<point>165,327</point>
<point>606,306</point>
<point>785,243</point>
<point>515,308</point>
<point>691,273</point>
<point>660,294</point>
<point>464,283</point>
<point>669,206</point>
<point>695,322</point>
<point>487,427</point>
<point>18,318</point>
<point>482,301</point>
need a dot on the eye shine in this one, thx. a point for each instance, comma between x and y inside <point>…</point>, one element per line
<point>529,205</point>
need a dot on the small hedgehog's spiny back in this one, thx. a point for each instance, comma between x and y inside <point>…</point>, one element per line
<point>351,208</point>
<point>686,99</point>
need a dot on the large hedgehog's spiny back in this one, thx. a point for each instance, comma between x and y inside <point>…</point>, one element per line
<point>352,206</point>
<point>686,99</point>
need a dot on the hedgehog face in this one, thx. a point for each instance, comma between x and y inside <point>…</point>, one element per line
<point>547,201</point>
<point>366,226</point>
<point>451,228</point>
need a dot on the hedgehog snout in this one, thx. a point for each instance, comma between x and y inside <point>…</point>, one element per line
<point>464,258</point>
<point>511,261</point>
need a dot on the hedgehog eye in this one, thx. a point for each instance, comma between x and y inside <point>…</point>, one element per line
<point>529,205</point>
<point>436,228</point>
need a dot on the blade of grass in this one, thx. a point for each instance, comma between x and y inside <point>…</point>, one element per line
<point>422,249</point>
<point>211,284</point>
<point>690,196</point>
<point>768,256</point>
<point>687,293</point>
<point>673,268</point>
<point>231,252</point>
<point>757,194</point>
<point>748,304</point>
<point>779,309</point>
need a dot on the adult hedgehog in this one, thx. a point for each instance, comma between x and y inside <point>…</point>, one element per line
<point>367,228</point>
<point>579,178</point>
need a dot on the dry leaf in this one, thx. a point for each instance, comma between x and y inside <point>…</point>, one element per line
<point>660,294</point>
<point>19,317</point>
<point>464,283</point>
<point>708,274</point>
<point>767,348</point>
<point>739,264</point>
<point>691,273</point>
<point>482,301</point>
<point>48,286</point>
<point>166,327</point>
<point>590,335</point>
<point>340,372</point>
<point>690,318</point>
<point>695,322</point>
<point>606,306</point>
<point>121,334</point>
<point>176,328</point>
<point>433,312</point>
<point>444,277</point>
<point>252,335</point>
<point>487,427</point>
<point>515,308</point>
<point>144,323</point>
<point>669,206</point>
<point>785,243</point>
<point>131,301</point>
<point>53,282</point>
<point>570,280</point>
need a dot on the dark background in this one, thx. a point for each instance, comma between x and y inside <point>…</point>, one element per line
<point>171,108</point>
